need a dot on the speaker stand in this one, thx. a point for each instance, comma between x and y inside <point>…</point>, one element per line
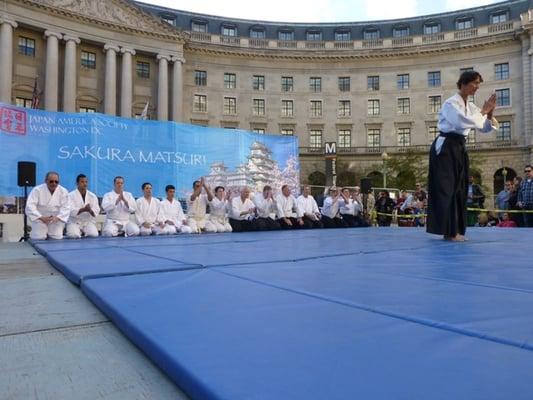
<point>25,237</point>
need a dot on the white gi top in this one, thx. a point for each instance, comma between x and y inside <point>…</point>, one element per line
<point>456,116</point>
<point>265,207</point>
<point>287,207</point>
<point>330,208</point>
<point>218,208</point>
<point>42,203</point>
<point>346,207</point>
<point>238,206</point>
<point>307,205</point>
<point>198,208</point>
<point>77,202</point>
<point>147,211</point>
<point>171,212</point>
<point>118,212</point>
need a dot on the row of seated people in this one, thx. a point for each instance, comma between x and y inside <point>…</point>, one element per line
<point>50,207</point>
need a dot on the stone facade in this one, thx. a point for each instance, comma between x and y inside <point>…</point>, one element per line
<point>115,56</point>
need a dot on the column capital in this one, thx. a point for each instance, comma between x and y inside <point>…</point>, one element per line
<point>68,38</point>
<point>124,50</point>
<point>163,57</point>
<point>111,46</point>
<point>49,33</point>
<point>9,21</point>
<point>178,59</point>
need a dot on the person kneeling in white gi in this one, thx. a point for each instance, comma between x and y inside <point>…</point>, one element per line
<point>218,209</point>
<point>83,211</point>
<point>147,213</point>
<point>197,208</point>
<point>118,206</point>
<point>48,208</point>
<point>171,214</point>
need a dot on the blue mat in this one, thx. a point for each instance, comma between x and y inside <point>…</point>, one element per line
<point>329,314</point>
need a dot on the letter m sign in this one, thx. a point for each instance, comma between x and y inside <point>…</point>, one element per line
<point>330,148</point>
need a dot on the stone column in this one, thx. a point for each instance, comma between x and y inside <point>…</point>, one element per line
<point>52,71</point>
<point>528,96</point>
<point>6,58</point>
<point>70,82</point>
<point>110,90</point>
<point>162,88</point>
<point>177,89</point>
<point>126,87</point>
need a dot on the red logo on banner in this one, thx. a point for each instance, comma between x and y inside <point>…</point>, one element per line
<point>12,121</point>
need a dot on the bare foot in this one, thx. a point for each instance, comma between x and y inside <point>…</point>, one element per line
<point>458,238</point>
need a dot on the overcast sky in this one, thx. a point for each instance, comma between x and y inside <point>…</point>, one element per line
<point>319,11</point>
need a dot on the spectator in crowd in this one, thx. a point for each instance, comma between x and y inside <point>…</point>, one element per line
<point>287,213</point>
<point>525,196</point>
<point>147,213</point>
<point>475,199</point>
<point>384,208</point>
<point>485,219</point>
<point>419,192</point>
<point>347,207</point>
<point>171,213</point>
<point>513,202</point>
<point>502,199</point>
<point>242,214</point>
<point>331,217</point>
<point>406,207</point>
<point>506,221</point>
<point>48,208</point>
<point>308,209</point>
<point>197,204</point>
<point>118,205</point>
<point>219,208</point>
<point>266,209</point>
<point>83,210</point>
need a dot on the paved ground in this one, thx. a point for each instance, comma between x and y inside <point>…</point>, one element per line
<point>54,344</point>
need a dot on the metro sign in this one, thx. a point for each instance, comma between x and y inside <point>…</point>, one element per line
<point>330,148</point>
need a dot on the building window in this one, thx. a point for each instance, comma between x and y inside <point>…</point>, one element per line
<point>257,33</point>
<point>260,131</point>
<point>26,46</point>
<point>501,71</point>
<point>287,84</point>
<point>373,107</point>
<point>370,34</point>
<point>168,19</point>
<point>342,36</point>
<point>200,103</point>
<point>372,83</point>
<point>199,27</point>
<point>401,31</point>
<point>345,108</point>
<point>200,78</point>
<point>259,106</point>
<point>465,23</point>
<point>404,106</point>
<point>434,79</point>
<point>287,108</point>
<point>286,35</point>
<point>499,18</point>
<point>471,137</point>
<point>434,104</point>
<point>314,36</point>
<point>143,69</point>
<point>402,81</point>
<point>230,81</point>
<point>228,30</point>
<point>504,133</point>
<point>404,137</point>
<point>258,82</point>
<point>433,132</point>
<point>87,110</point>
<point>373,138</point>
<point>22,102</point>
<point>316,108</point>
<point>287,132</point>
<point>431,29</point>
<point>344,83</point>
<point>315,138</point>
<point>315,84</point>
<point>230,105</point>
<point>461,70</point>
<point>88,60</point>
<point>345,138</point>
<point>503,97</point>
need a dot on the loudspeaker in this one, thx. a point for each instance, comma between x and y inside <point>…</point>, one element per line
<point>366,185</point>
<point>26,173</point>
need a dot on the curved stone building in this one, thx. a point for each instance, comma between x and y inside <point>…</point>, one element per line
<point>372,87</point>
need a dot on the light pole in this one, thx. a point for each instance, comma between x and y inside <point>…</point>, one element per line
<point>384,157</point>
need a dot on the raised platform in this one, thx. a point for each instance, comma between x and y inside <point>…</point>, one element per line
<point>326,314</point>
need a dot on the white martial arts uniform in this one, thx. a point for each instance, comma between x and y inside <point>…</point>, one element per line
<point>197,217</point>
<point>331,208</point>
<point>307,205</point>
<point>346,208</point>
<point>286,207</point>
<point>266,208</point>
<point>82,223</point>
<point>42,203</point>
<point>148,212</point>
<point>238,206</point>
<point>173,212</point>
<point>218,210</point>
<point>118,215</point>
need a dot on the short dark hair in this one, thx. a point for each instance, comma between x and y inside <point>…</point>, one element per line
<point>467,77</point>
<point>528,166</point>
<point>219,187</point>
<point>169,187</point>
<point>267,187</point>
<point>80,176</point>
<point>145,184</point>
<point>284,186</point>
<point>194,183</point>
<point>117,177</point>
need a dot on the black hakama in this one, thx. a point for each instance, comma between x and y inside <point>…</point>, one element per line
<point>448,186</point>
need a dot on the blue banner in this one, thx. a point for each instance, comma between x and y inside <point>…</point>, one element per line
<point>102,147</point>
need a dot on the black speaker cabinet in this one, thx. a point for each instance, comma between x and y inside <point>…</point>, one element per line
<point>26,173</point>
<point>366,185</point>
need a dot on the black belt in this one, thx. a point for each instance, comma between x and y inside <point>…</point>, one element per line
<point>453,135</point>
